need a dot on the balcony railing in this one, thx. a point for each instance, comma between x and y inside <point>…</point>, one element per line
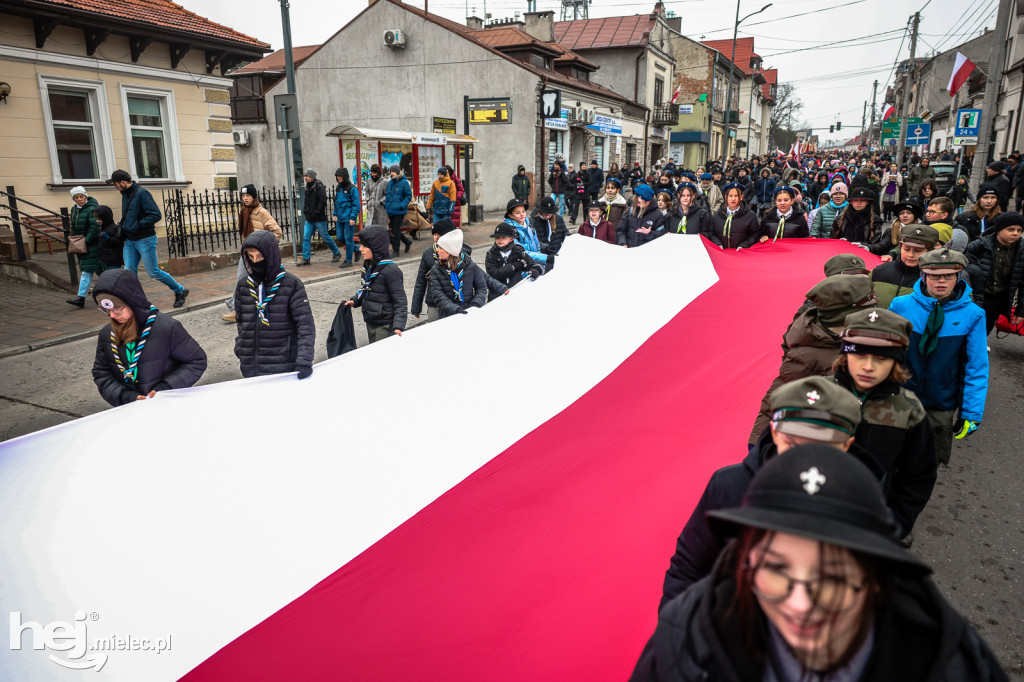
<point>248,110</point>
<point>665,115</point>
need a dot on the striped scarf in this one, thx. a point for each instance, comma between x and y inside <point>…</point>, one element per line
<point>132,350</point>
<point>262,303</point>
<point>370,272</point>
<point>456,276</point>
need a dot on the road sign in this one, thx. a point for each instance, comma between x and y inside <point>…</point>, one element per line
<point>968,123</point>
<point>891,129</point>
<point>964,141</point>
<point>498,110</point>
<point>918,134</point>
<point>287,122</point>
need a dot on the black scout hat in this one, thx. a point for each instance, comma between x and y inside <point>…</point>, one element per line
<point>503,230</point>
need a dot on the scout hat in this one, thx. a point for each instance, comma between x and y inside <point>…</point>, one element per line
<point>502,230</point>
<point>814,492</point>
<point>788,189</point>
<point>816,408</point>
<point>919,235</point>
<point>845,264</point>
<point>942,262</point>
<point>512,204</point>
<point>908,206</point>
<point>837,296</point>
<point>595,204</point>
<point>862,193</point>
<point>644,192</point>
<point>876,332</point>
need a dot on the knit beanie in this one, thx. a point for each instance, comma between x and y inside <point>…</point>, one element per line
<point>78,189</point>
<point>395,168</point>
<point>451,242</point>
<point>442,227</point>
<point>309,172</point>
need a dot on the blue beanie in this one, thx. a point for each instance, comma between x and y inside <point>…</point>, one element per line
<point>706,176</point>
<point>644,192</point>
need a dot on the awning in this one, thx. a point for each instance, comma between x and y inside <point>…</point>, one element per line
<point>354,133</point>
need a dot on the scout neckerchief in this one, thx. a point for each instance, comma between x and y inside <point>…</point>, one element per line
<point>433,250</point>
<point>727,230</point>
<point>455,276</point>
<point>930,338</point>
<point>132,350</point>
<point>782,224</point>
<point>262,303</point>
<point>370,272</point>
<point>682,222</point>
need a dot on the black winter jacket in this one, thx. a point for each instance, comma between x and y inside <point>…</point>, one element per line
<point>744,232</point>
<point>385,303</point>
<point>863,227</point>
<point>698,220</point>
<point>795,226</point>
<point>980,257</point>
<point>699,638</point>
<point>419,292</point>
<point>893,279</point>
<point>287,342</point>
<point>550,239</point>
<point>441,292</point>
<point>509,271</point>
<point>314,208</point>
<point>596,180</point>
<point>1003,189</point>
<point>626,233</point>
<point>170,359</point>
<point>970,222</point>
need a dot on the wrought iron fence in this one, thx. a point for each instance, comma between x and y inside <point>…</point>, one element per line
<point>49,225</point>
<point>207,222</point>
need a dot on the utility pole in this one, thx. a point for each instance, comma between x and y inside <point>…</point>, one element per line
<point>289,71</point>
<point>988,105</point>
<point>902,141</point>
<point>863,120</point>
<point>871,128</point>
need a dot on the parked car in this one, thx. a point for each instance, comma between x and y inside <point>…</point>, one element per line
<point>945,175</point>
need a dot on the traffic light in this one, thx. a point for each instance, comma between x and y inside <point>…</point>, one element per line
<point>831,129</point>
<point>839,125</point>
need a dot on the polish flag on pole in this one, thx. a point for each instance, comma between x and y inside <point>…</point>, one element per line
<point>889,111</point>
<point>675,94</point>
<point>962,68</point>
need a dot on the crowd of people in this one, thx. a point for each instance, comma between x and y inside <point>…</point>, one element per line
<point>794,564</point>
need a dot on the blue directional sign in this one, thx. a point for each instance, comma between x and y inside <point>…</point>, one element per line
<point>918,133</point>
<point>968,123</point>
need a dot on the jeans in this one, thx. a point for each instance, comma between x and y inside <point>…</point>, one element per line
<point>307,233</point>
<point>559,202</point>
<point>83,284</point>
<point>438,215</point>
<point>348,233</point>
<point>145,250</point>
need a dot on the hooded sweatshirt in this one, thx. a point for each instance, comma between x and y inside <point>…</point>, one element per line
<point>521,184</point>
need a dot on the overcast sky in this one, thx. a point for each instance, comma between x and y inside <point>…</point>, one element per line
<point>833,81</point>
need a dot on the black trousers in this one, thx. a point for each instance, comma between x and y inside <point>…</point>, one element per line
<point>395,223</point>
<point>994,307</point>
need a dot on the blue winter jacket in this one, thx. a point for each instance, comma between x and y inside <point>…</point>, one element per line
<point>955,375</point>
<point>526,237</point>
<point>397,196</point>
<point>765,189</point>
<point>139,213</point>
<point>346,204</point>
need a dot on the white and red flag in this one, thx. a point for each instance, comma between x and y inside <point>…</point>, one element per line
<point>962,69</point>
<point>889,111</point>
<point>675,95</point>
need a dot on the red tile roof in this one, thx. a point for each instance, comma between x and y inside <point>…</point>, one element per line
<point>744,51</point>
<point>771,77</point>
<point>162,13</point>
<point>594,34</point>
<point>566,55</point>
<point>274,63</point>
<point>509,36</point>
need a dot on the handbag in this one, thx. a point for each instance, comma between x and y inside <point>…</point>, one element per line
<point>76,244</point>
<point>1004,325</point>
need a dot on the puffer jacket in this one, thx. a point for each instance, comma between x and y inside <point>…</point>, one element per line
<point>441,200</point>
<point>698,220</point>
<point>699,637</point>
<point>971,223</point>
<point>821,226</point>
<point>262,220</point>
<point>460,191</point>
<point>795,226</point>
<point>170,358</point>
<point>980,257</point>
<point>84,223</point>
<point>764,189</point>
<point>895,429</point>
<point>384,304</point>
<point>861,227</point>
<point>441,291</point>
<point>744,231</point>
<point>893,279</point>
<point>427,261</point>
<point>139,213</point>
<point>626,234</point>
<point>509,270</point>
<point>521,185</point>
<point>955,375</point>
<point>286,344</point>
<point>397,196</point>
<point>527,237</point>
<point>551,233</point>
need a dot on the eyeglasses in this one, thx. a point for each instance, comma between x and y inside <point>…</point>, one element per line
<point>831,593</point>
<point>108,311</point>
<point>941,277</point>
<point>932,211</point>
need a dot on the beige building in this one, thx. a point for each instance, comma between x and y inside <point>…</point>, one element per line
<point>91,91</point>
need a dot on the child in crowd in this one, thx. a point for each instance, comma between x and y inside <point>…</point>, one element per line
<point>381,293</point>
<point>596,226</point>
<point>456,282</point>
<point>507,261</point>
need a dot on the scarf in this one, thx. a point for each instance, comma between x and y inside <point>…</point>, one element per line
<point>930,337</point>
<point>456,275</point>
<point>839,207</point>
<point>262,303</point>
<point>132,350</point>
<point>727,230</point>
<point>370,272</point>
<point>245,227</point>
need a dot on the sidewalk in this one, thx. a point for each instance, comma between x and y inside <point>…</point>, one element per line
<point>33,317</point>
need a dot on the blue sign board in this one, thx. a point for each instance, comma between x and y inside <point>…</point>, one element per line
<point>918,133</point>
<point>607,125</point>
<point>968,123</point>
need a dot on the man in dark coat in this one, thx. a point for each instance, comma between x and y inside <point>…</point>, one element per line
<point>124,369</point>
<point>314,210</point>
<point>275,326</point>
<point>596,184</point>
<point>997,177</point>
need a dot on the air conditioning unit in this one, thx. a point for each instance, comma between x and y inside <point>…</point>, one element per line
<point>589,115</point>
<point>241,138</point>
<point>394,38</point>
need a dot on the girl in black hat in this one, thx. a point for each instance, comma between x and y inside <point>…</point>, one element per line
<point>507,261</point>
<point>815,588</point>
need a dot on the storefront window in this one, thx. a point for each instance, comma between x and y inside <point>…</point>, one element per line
<point>599,151</point>
<point>394,152</point>
<point>429,159</point>
<point>554,145</point>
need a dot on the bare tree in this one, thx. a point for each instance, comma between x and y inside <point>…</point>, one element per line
<point>785,121</point>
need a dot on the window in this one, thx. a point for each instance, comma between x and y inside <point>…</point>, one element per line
<point>152,134</point>
<point>554,145</point>
<point>599,151</point>
<point>78,130</point>
<point>659,90</point>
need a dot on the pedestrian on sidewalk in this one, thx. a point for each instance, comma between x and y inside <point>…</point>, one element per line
<point>397,198</point>
<point>139,216</point>
<point>441,200</point>
<point>276,333</point>
<point>84,224</point>
<point>456,282</point>
<point>111,242</point>
<point>460,193</point>
<point>314,210</point>
<point>346,212</point>
<point>252,217</point>
<point>596,176</point>
<point>521,184</point>
<point>376,190</point>
<point>142,351</point>
<point>381,294</point>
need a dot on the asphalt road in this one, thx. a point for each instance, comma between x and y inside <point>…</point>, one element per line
<point>972,531</point>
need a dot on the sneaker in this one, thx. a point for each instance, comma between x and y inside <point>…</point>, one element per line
<point>346,264</point>
<point>408,245</point>
<point>179,298</point>
<point>336,258</point>
<point>230,317</point>
<point>302,261</point>
<point>357,255</point>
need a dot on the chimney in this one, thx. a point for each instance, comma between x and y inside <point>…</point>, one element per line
<point>474,23</point>
<point>675,23</point>
<point>540,25</point>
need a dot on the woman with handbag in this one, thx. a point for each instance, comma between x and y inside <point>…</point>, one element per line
<point>84,241</point>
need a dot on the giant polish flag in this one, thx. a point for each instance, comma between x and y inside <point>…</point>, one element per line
<point>494,496</point>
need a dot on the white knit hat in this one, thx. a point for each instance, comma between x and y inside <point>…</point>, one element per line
<point>78,189</point>
<point>451,242</point>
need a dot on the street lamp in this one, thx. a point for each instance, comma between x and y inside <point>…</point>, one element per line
<point>732,60</point>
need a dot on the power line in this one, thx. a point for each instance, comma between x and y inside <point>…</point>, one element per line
<point>832,46</point>
<point>834,42</point>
